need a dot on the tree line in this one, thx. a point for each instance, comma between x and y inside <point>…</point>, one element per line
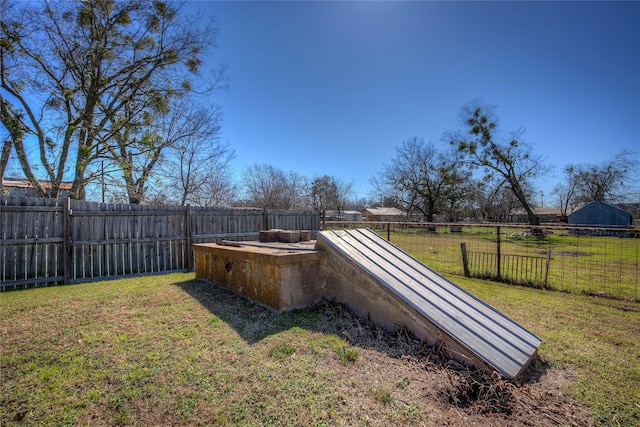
<point>109,92</point>
<point>474,173</point>
<point>114,97</point>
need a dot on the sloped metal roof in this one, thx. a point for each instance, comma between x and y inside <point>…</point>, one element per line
<point>486,332</point>
<point>600,213</point>
<point>386,211</point>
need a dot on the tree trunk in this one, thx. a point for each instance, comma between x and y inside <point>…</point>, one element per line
<point>4,159</point>
<point>532,217</point>
<point>430,211</point>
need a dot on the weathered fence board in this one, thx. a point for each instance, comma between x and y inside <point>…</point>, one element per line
<point>31,234</point>
<point>290,220</point>
<point>47,241</point>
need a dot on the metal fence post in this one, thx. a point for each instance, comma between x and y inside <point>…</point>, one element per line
<point>546,273</point>
<point>465,259</point>
<point>498,253</point>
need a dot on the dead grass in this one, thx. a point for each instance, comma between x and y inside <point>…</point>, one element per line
<point>452,394</point>
<point>169,350</point>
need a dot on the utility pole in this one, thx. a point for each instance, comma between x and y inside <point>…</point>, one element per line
<point>103,186</point>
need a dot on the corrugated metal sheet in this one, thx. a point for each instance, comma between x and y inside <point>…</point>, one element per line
<point>486,332</point>
<point>598,213</point>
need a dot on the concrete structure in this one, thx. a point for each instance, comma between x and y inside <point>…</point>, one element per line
<point>378,281</point>
<point>278,275</point>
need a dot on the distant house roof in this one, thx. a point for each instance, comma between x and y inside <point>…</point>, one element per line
<point>344,215</point>
<point>542,211</point>
<point>385,212</point>
<point>23,183</point>
<point>547,210</point>
<point>600,214</point>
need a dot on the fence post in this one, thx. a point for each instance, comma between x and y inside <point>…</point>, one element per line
<point>265,220</point>
<point>388,232</point>
<point>465,259</point>
<point>546,273</point>
<point>498,253</point>
<point>189,236</point>
<point>66,239</point>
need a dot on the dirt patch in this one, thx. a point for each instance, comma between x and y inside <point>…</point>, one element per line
<point>448,392</point>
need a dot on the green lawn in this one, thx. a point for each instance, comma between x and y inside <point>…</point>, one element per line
<point>599,338</point>
<point>171,350</point>
<point>602,265</point>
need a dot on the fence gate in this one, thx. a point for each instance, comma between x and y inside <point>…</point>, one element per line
<point>517,269</point>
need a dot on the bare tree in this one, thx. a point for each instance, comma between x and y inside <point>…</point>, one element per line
<point>345,193</point>
<point>323,193</point>
<point>271,188</point>
<point>219,189</point>
<point>608,181</point>
<point>197,166</point>
<point>497,202</point>
<point>611,181</point>
<point>328,192</point>
<point>358,203</point>
<point>512,161</point>
<point>567,193</point>
<point>80,78</point>
<point>421,178</point>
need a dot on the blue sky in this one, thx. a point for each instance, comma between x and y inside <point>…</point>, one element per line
<point>333,87</point>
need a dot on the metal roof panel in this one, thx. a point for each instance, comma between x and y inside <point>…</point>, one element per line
<point>486,332</point>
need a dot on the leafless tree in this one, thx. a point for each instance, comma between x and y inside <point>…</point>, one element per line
<point>327,192</point>
<point>345,193</point>
<point>567,193</point>
<point>512,162</point>
<point>496,202</point>
<point>609,181</point>
<point>197,166</point>
<point>612,181</point>
<point>323,193</point>
<point>421,178</point>
<point>269,187</point>
<point>81,79</point>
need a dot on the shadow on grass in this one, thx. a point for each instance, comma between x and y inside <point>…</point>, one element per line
<point>465,387</point>
<point>252,321</point>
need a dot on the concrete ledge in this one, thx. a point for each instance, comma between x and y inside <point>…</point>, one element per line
<point>280,277</point>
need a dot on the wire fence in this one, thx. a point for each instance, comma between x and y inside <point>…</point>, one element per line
<point>594,261</point>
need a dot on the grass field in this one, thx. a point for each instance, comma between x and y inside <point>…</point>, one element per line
<point>599,265</point>
<point>166,350</point>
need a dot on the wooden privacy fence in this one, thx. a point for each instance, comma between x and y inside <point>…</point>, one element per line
<point>52,241</point>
